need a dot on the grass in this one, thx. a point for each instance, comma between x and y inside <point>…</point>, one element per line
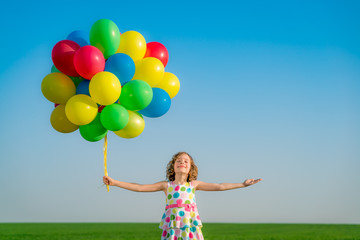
<point>149,231</point>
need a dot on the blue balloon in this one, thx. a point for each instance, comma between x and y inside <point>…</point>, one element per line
<point>123,83</point>
<point>122,66</point>
<point>159,104</point>
<point>83,87</point>
<point>80,37</point>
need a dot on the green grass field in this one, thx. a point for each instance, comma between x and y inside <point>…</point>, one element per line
<point>149,231</point>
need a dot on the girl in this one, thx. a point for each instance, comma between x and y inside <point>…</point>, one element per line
<point>181,220</point>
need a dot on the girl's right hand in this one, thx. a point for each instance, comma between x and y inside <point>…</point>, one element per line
<point>108,180</point>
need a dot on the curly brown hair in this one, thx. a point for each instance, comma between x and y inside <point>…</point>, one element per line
<point>170,173</point>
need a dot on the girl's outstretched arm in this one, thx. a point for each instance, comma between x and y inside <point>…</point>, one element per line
<point>159,186</point>
<point>204,186</point>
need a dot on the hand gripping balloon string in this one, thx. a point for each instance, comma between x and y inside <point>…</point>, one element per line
<point>105,153</point>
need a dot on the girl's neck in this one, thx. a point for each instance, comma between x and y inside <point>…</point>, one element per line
<point>180,178</point>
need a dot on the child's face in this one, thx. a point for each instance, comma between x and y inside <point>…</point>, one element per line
<point>182,164</point>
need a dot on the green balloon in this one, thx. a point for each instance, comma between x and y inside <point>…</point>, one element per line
<point>93,131</point>
<point>114,117</point>
<point>136,95</point>
<point>76,80</point>
<point>105,35</point>
<point>54,69</point>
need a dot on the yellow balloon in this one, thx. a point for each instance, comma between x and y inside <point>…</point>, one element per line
<point>60,122</point>
<point>133,44</point>
<point>134,127</point>
<point>81,109</point>
<point>150,70</point>
<point>105,88</point>
<point>170,84</point>
<point>57,87</point>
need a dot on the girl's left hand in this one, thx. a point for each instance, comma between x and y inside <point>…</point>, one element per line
<point>249,182</point>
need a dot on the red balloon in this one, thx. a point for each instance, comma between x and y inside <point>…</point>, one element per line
<point>63,57</point>
<point>101,108</point>
<point>157,50</point>
<point>88,61</point>
<point>56,104</point>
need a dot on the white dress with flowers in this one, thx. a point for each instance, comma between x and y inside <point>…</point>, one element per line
<point>181,220</point>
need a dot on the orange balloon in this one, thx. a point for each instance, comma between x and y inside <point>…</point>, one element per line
<point>60,122</point>
<point>57,87</point>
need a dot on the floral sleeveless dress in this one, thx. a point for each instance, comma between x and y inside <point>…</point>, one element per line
<point>181,220</point>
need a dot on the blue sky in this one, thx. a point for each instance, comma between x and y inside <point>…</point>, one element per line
<point>268,89</point>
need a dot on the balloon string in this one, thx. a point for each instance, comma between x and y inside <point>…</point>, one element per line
<point>105,155</point>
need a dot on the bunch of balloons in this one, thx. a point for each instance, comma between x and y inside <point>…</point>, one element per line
<point>109,84</point>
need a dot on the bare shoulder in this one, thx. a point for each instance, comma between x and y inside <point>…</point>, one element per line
<point>195,183</point>
<point>204,186</point>
<point>162,184</point>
